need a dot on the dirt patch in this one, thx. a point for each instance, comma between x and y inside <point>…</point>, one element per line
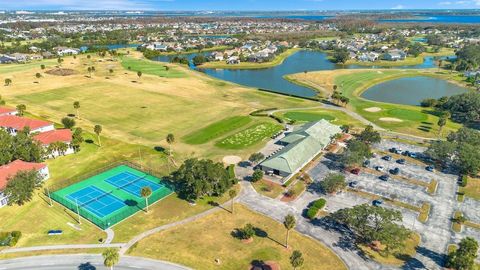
<point>372,109</point>
<point>390,119</point>
<point>231,160</point>
<point>61,72</point>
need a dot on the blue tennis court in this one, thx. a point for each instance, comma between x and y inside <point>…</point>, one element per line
<point>96,201</point>
<point>132,183</point>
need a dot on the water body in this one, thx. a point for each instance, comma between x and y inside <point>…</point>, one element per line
<point>438,19</point>
<point>411,91</point>
<point>272,78</point>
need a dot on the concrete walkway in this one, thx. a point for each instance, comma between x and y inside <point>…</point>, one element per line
<point>54,247</point>
<point>110,235</point>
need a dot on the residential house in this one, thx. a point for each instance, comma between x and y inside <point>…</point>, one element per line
<point>61,51</point>
<point>395,55</point>
<point>10,170</point>
<point>13,124</point>
<point>233,60</point>
<point>58,135</point>
<point>6,59</point>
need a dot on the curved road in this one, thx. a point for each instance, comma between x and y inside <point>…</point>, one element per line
<point>85,262</point>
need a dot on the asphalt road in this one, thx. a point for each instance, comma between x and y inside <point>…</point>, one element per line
<point>84,262</point>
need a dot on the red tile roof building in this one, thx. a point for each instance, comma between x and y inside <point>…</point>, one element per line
<point>11,169</point>
<point>7,111</point>
<point>14,123</point>
<point>59,135</point>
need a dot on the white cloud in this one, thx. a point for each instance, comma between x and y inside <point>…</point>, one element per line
<point>463,3</point>
<point>84,4</point>
<point>398,7</point>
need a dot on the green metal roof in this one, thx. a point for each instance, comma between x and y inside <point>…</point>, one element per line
<point>306,142</point>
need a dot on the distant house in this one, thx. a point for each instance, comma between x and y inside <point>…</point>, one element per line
<point>217,56</point>
<point>233,60</point>
<point>395,55</point>
<point>52,136</point>
<point>5,59</point>
<point>47,55</point>
<point>20,57</point>
<point>7,111</point>
<point>13,124</point>
<point>301,146</point>
<point>61,51</point>
<point>10,170</point>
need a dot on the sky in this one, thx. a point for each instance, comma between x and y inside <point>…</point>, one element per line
<point>241,5</point>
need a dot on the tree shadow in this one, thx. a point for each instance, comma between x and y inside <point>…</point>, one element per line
<point>259,265</point>
<point>71,115</point>
<point>412,264</point>
<point>216,204</point>
<point>260,233</point>
<point>131,203</point>
<point>90,141</point>
<point>159,149</point>
<point>86,266</point>
<point>438,258</point>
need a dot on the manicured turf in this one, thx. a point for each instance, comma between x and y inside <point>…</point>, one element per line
<point>472,190</point>
<point>151,67</point>
<point>308,116</point>
<point>216,129</point>
<point>199,243</point>
<point>111,196</point>
<point>399,258</point>
<point>249,136</point>
<point>268,188</point>
<point>33,67</point>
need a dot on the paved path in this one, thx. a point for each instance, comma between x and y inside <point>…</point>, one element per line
<point>53,247</point>
<point>85,262</point>
<point>110,235</point>
<point>278,210</point>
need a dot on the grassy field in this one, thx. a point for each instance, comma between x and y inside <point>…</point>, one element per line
<point>268,188</point>
<point>408,119</point>
<point>150,67</point>
<point>250,65</point>
<point>33,67</point>
<point>400,257</point>
<point>216,129</point>
<point>336,117</point>
<point>249,136</point>
<point>472,190</point>
<point>199,243</point>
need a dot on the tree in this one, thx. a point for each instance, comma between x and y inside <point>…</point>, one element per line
<point>416,49</point>
<point>60,61</point>
<point>257,175</point>
<point>340,55</point>
<point>247,232</point>
<point>42,66</point>
<point>139,74</point>
<point>256,157</point>
<point>357,151</point>
<point>464,108</point>
<point>370,136</point>
<point>21,108</point>
<point>296,259</point>
<point>289,222</point>
<point>89,70</point>
<point>38,75</point>
<point>442,121</point>
<point>110,71</point>
<point>25,148</point>
<point>370,223</point>
<point>98,129</point>
<point>21,186</point>
<point>68,122</point>
<point>8,81</point>
<point>76,106</point>
<point>345,128</point>
<point>111,256</point>
<point>199,59</point>
<point>146,192</point>
<point>232,193</point>
<point>77,139</point>
<point>464,257</point>
<point>198,178</point>
<point>333,182</point>
<point>57,148</point>
<point>170,140</point>
<point>6,149</point>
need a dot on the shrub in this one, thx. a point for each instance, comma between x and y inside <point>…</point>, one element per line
<point>247,232</point>
<point>312,212</point>
<point>10,238</point>
<point>257,175</point>
<point>320,203</point>
<point>315,207</point>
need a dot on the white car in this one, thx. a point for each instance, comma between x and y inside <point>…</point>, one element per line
<point>379,168</point>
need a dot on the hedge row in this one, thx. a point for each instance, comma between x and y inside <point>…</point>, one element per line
<point>463,181</point>
<point>315,207</point>
<point>10,238</point>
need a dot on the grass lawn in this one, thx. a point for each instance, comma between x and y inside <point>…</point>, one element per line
<point>397,259</point>
<point>456,226</point>
<point>268,188</point>
<point>199,243</point>
<point>216,129</point>
<point>51,252</point>
<point>31,67</point>
<point>472,190</point>
<point>250,65</point>
<point>336,117</point>
<point>413,120</point>
<point>249,136</point>
<point>151,67</point>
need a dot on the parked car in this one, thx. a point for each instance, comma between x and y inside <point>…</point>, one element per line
<point>384,177</point>
<point>379,168</point>
<point>395,171</point>
<point>392,150</point>
<point>353,184</point>
<point>401,161</point>
<point>355,171</point>
<point>412,155</point>
<point>366,163</point>
<point>387,158</point>
<point>430,168</point>
<point>406,153</point>
<point>377,202</point>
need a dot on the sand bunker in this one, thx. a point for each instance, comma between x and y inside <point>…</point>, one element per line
<point>373,109</point>
<point>231,160</point>
<point>390,119</point>
<point>61,72</point>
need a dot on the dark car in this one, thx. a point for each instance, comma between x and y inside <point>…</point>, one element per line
<point>429,168</point>
<point>392,150</point>
<point>377,202</point>
<point>401,161</point>
<point>387,158</point>
<point>366,163</point>
<point>355,171</point>
<point>384,177</point>
<point>395,171</point>
<point>406,153</point>
<point>353,184</point>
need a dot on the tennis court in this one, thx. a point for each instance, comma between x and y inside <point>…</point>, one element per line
<point>111,196</point>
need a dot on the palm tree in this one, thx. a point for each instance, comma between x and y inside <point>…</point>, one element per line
<point>76,106</point>
<point>139,74</point>
<point>296,260</point>
<point>98,129</point>
<point>111,257</point>
<point>170,141</point>
<point>232,193</point>
<point>145,193</point>
<point>8,81</point>
<point>21,108</point>
<point>60,61</point>
<point>289,224</point>
<point>89,70</point>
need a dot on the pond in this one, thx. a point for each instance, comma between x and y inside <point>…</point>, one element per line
<point>272,79</point>
<point>411,91</point>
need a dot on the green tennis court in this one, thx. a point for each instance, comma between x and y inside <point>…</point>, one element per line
<point>111,196</point>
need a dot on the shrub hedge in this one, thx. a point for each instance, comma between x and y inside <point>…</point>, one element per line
<point>315,207</point>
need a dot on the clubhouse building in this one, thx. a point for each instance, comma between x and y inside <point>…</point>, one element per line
<point>300,147</point>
